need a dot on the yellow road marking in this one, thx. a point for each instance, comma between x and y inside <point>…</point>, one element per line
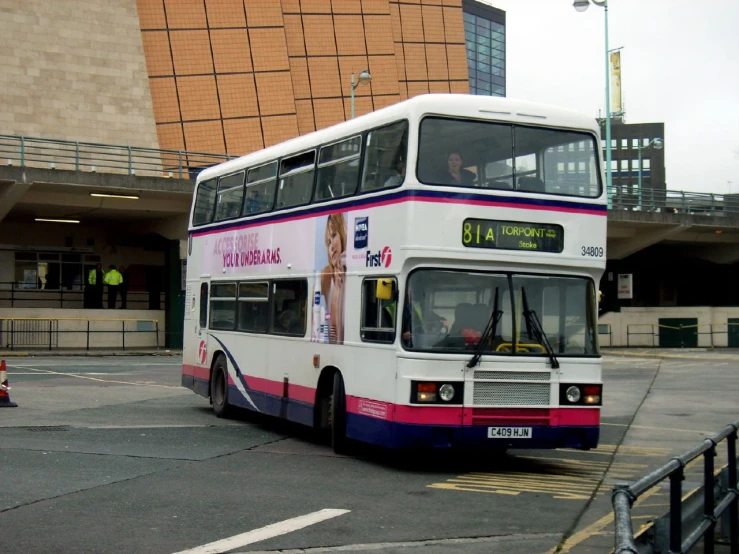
<point>594,528</point>
<point>656,428</point>
<point>563,478</point>
<point>608,449</point>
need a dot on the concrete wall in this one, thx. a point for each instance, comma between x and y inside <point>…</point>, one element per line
<point>712,325</point>
<point>75,70</point>
<point>69,328</point>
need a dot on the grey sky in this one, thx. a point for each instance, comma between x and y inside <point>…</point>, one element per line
<point>680,65</point>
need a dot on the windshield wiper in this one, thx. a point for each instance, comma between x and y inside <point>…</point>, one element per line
<point>535,330</point>
<point>487,333</point>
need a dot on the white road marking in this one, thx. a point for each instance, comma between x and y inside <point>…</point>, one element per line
<point>85,376</point>
<point>268,532</point>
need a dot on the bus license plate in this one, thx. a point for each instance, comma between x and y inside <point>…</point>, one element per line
<point>509,432</point>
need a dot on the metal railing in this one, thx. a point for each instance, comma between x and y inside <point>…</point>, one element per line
<point>604,329</point>
<point>15,294</point>
<point>624,197</point>
<point>651,330</point>
<point>61,332</point>
<point>110,158</point>
<point>688,520</point>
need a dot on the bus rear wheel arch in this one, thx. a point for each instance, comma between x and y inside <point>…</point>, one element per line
<point>330,409</point>
<point>219,387</point>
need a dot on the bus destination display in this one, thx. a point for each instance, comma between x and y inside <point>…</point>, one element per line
<point>512,235</point>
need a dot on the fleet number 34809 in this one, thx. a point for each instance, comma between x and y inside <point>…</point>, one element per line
<point>592,251</point>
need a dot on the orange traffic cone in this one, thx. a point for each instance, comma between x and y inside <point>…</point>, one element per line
<point>5,401</point>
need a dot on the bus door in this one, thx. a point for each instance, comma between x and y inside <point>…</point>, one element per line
<point>199,329</point>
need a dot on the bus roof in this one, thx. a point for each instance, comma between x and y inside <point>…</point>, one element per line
<point>460,105</point>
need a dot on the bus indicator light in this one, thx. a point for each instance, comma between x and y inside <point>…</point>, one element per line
<point>426,392</point>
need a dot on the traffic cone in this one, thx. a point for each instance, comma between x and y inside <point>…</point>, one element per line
<point>5,401</point>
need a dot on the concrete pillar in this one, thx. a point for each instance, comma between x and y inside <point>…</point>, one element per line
<point>10,193</point>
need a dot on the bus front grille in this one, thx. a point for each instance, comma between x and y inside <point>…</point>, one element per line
<point>510,394</point>
<point>513,376</point>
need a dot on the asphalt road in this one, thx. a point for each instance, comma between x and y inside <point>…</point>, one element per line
<point>113,455</point>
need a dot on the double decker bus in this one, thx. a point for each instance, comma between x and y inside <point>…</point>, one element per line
<point>421,276</point>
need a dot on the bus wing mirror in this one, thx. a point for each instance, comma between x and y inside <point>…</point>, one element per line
<point>385,289</point>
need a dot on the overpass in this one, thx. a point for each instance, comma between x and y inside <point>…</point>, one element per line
<point>680,248</point>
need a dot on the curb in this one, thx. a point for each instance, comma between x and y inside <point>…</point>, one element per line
<point>692,353</point>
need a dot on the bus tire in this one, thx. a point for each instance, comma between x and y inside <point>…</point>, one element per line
<point>338,415</point>
<point>219,388</point>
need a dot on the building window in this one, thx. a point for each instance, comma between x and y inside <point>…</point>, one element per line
<point>53,270</point>
<point>485,40</point>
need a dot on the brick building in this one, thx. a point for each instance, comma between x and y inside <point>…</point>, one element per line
<point>238,75</point>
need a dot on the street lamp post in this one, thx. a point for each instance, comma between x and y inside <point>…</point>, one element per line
<point>657,143</point>
<point>364,75</point>
<point>581,6</point>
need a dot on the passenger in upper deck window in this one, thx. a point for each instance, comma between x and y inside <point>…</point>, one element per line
<point>395,180</point>
<point>252,204</point>
<point>455,173</point>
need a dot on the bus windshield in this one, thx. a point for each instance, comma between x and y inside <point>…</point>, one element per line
<point>535,315</point>
<point>503,156</point>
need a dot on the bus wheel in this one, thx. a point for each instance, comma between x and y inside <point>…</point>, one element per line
<point>338,415</point>
<point>219,388</point>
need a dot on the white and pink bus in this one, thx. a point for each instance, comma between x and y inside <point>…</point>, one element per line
<point>422,276</point>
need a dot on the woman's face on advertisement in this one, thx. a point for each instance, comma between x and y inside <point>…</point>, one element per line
<point>333,244</point>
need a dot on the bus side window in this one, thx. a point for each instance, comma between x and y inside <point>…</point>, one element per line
<point>378,317</point>
<point>296,180</point>
<point>223,306</point>
<point>205,201</point>
<point>230,196</point>
<point>386,147</point>
<point>261,183</point>
<point>338,169</point>
<point>204,305</point>
<point>289,301</point>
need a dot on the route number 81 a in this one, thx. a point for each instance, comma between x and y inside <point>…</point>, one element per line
<point>592,251</point>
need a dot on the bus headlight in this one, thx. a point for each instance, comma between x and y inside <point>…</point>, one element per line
<point>446,392</point>
<point>573,394</point>
<point>580,394</point>
<point>439,392</point>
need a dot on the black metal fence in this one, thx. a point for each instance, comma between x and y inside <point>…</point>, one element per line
<point>14,294</point>
<point>76,333</point>
<point>690,519</point>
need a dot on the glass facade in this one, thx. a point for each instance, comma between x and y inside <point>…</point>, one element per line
<point>484,29</point>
